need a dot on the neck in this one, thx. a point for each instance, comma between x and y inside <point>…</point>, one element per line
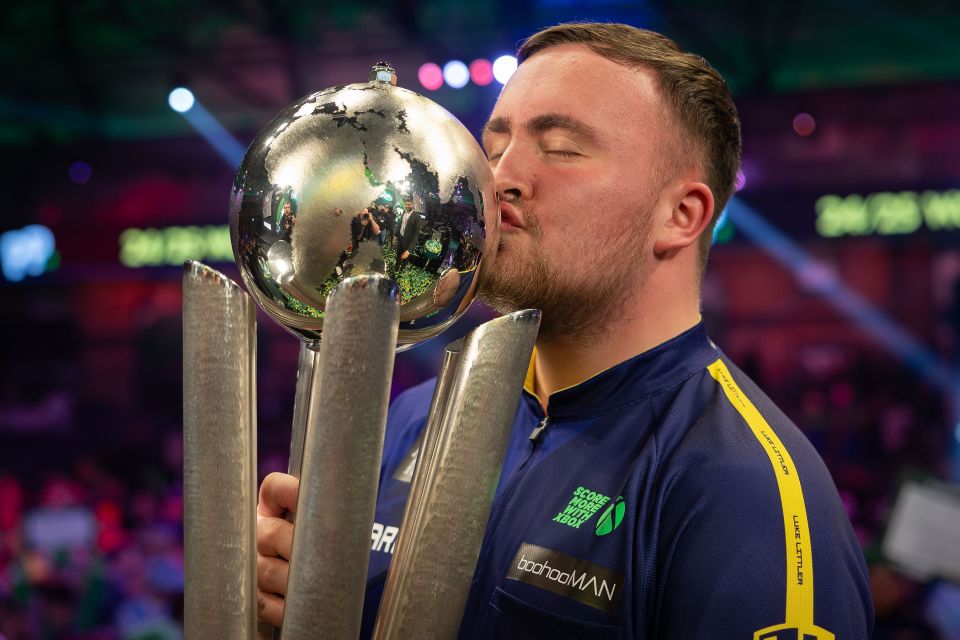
<point>656,315</point>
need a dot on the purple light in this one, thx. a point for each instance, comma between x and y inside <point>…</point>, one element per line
<point>741,180</point>
<point>804,124</point>
<point>80,172</point>
<point>481,72</point>
<point>430,76</point>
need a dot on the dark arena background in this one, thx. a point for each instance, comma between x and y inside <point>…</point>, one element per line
<point>834,280</point>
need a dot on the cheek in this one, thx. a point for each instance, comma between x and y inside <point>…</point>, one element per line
<point>593,203</point>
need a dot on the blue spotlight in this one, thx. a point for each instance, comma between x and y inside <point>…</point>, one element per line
<point>181,99</point>
<point>26,252</point>
<point>229,148</point>
<point>823,280</point>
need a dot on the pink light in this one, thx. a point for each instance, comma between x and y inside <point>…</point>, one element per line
<point>804,124</point>
<point>481,72</point>
<point>430,76</point>
<point>741,180</point>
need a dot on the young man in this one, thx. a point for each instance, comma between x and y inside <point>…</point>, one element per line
<point>650,490</point>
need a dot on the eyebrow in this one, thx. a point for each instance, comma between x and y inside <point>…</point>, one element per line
<point>543,123</point>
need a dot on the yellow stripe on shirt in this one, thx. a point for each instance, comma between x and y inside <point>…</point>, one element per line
<point>799,553</point>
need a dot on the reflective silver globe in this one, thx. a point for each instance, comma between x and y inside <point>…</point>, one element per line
<point>358,179</point>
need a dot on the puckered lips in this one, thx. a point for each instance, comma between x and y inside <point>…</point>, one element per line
<point>509,218</point>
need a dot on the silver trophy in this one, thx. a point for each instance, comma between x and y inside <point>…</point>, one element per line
<point>363,219</point>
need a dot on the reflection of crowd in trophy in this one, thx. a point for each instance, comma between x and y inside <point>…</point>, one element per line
<point>401,239</point>
<point>364,226</point>
<point>287,219</point>
<point>367,226</point>
<point>409,236</point>
<point>411,222</point>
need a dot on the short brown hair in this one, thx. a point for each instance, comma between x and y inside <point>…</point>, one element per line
<point>695,93</point>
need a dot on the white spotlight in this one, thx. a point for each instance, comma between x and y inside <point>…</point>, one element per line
<point>180,99</point>
<point>503,68</point>
<point>456,74</point>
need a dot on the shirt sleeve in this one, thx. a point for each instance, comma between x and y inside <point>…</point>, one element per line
<point>732,569</point>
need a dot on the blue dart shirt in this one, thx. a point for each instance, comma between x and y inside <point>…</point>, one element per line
<point>666,497</point>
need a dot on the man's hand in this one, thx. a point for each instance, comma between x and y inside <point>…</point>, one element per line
<point>278,496</point>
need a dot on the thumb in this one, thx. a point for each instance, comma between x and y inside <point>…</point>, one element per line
<point>278,495</point>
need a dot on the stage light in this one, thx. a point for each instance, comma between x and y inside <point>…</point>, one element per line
<point>503,68</point>
<point>804,124</point>
<point>180,99</point>
<point>741,180</point>
<point>430,76</point>
<point>80,172</point>
<point>481,72</point>
<point>823,280</point>
<point>723,229</point>
<point>26,252</point>
<point>193,111</point>
<point>456,74</point>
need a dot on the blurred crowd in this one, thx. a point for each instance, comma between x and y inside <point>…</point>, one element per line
<point>83,555</point>
<point>86,555</point>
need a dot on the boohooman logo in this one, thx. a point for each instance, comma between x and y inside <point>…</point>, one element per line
<point>567,576</point>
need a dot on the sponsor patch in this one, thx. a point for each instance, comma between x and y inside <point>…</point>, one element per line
<point>612,517</point>
<point>567,576</point>
<point>583,504</point>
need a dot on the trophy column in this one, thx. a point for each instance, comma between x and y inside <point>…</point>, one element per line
<point>219,456</point>
<point>341,461</point>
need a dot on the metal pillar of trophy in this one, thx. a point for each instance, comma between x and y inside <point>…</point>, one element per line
<point>359,218</point>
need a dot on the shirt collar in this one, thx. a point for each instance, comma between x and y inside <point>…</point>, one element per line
<point>634,378</point>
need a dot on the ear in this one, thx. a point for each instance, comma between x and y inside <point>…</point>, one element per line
<point>691,212</point>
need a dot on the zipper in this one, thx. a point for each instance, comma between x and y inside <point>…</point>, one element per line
<point>535,438</point>
<point>537,434</point>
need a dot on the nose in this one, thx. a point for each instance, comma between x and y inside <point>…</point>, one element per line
<point>513,174</point>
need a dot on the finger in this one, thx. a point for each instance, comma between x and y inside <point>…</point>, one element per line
<point>274,537</point>
<point>278,495</point>
<point>272,574</point>
<point>270,608</point>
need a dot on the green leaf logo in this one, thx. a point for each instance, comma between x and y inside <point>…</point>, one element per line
<point>611,518</point>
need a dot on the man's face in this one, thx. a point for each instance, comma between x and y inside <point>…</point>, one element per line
<point>577,145</point>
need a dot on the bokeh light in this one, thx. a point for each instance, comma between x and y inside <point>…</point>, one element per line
<point>741,180</point>
<point>26,252</point>
<point>503,68</point>
<point>180,99</point>
<point>456,74</point>
<point>481,72</point>
<point>80,172</point>
<point>804,124</point>
<point>430,76</point>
